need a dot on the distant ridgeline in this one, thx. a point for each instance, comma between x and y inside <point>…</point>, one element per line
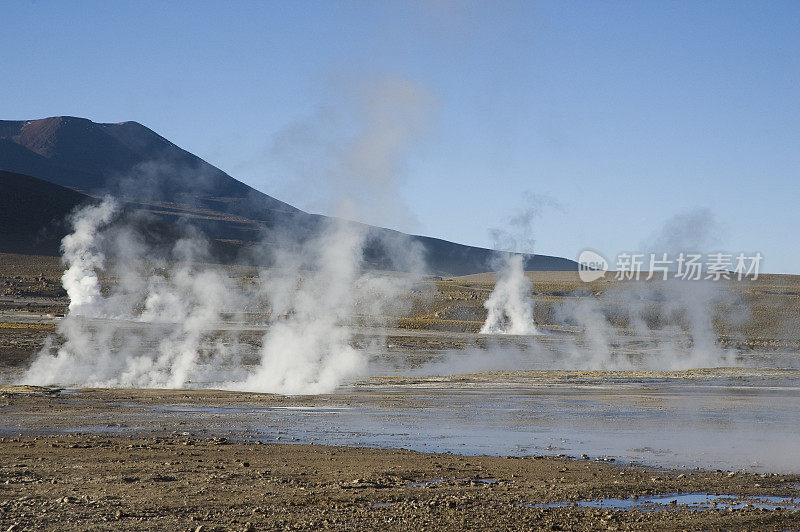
<point>52,165</point>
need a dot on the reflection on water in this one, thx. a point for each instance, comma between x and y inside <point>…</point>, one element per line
<point>747,422</point>
<point>691,501</point>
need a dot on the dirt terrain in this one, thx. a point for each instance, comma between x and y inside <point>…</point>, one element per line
<point>184,460</point>
<point>180,483</point>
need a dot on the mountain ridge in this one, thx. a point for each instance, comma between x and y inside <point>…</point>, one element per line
<point>147,170</point>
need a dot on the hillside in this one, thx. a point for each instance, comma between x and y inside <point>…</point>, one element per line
<point>159,178</point>
<point>33,214</point>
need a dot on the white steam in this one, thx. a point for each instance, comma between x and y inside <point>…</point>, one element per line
<point>645,325</point>
<point>153,325</point>
<point>642,326</point>
<point>169,319</point>
<point>351,155</point>
<point>307,348</point>
<point>176,322</point>
<point>510,306</point>
<point>82,255</point>
<point>652,325</point>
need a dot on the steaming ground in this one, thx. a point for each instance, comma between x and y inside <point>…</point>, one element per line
<point>510,305</point>
<point>651,372</point>
<point>164,319</point>
<point>610,376</point>
<point>153,349</point>
<point>729,419</point>
<point>306,299</point>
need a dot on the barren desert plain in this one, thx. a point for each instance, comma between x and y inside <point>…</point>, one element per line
<point>449,429</point>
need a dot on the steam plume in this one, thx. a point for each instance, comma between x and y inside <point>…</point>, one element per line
<point>81,254</point>
<point>308,348</point>
<point>510,307</point>
<point>176,322</point>
<point>171,320</point>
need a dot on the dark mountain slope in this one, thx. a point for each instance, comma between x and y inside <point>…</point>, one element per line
<point>157,177</point>
<point>33,214</point>
<point>126,159</point>
<point>34,217</point>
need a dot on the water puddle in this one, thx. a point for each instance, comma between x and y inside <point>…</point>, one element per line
<point>105,428</point>
<point>426,483</point>
<point>240,409</point>
<point>672,424</point>
<point>437,481</point>
<point>683,501</point>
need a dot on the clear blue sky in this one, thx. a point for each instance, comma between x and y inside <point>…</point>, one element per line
<point>623,113</point>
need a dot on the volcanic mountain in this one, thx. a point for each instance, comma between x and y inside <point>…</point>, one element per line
<point>53,164</point>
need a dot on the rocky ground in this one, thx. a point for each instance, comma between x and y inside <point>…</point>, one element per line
<point>179,483</point>
<point>165,476</point>
<point>144,459</point>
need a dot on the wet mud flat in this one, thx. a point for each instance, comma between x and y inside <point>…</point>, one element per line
<point>732,419</point>
<point>176,482</point>
<point>508,453</point>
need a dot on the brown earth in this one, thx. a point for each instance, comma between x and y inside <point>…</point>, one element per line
<point>179,483</point>
<point>174,482</point>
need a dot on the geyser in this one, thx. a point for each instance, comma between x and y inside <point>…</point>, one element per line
<point>510,306</point>
<point>161,321</point>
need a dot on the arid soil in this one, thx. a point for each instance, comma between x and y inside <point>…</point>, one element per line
<point>179,483</point>
<point>83,462</point>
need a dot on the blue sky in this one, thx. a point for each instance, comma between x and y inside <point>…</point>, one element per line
<point>621,115</point>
